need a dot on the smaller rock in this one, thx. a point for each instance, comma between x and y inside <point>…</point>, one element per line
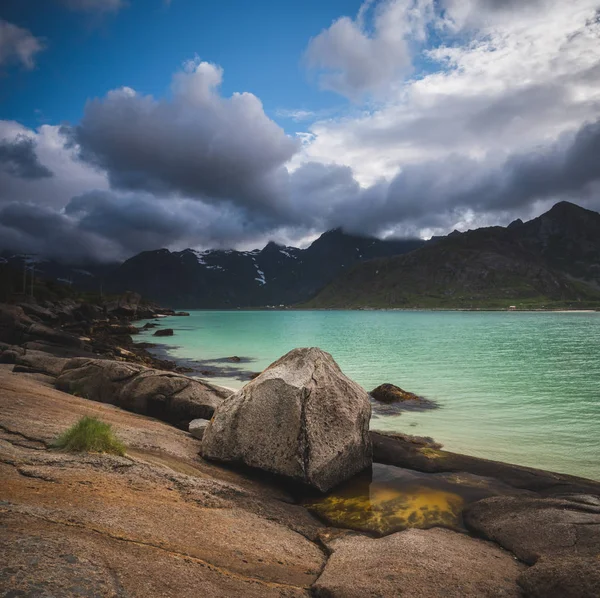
<point>234,359</point>
<point>181,313</point>
<point>164,332</point>
<point>389,393</point>
<point>148,325</point>
<point>197,427</point>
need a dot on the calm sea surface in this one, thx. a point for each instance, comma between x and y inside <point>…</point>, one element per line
<point>517,387</point>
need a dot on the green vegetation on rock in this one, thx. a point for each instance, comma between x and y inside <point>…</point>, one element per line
<point>90,435</point>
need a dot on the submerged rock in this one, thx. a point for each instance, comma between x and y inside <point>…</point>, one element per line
<point>391,396</point>
<point>164,395</point>
<point>389,393</point>
<point>164,332</point>
<point>301,418</point>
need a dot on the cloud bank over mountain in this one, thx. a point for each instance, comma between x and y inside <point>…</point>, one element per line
<point>459,114</point>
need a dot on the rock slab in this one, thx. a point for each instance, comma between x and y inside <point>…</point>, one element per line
<point>301,418</point>
<point>167,396</point>
<point>559,536</point>
<point>436,563</point>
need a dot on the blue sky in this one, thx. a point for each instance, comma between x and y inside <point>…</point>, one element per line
<point>259,44</point>
<point>127,125</point>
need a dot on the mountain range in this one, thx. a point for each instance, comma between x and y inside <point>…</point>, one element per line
<point>223,279</point>
<point>550,261</point>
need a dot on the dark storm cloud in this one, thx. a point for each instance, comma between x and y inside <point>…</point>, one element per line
<point>198,145</point>
<point>566,168</point>
<point>434,193</point>
<point>36,229</point>
<point>18,158</point>
<point>138,222</point>
<point>108,225</point>
<point>135,223</point>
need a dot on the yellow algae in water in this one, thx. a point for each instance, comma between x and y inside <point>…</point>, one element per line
<point>385,509</point>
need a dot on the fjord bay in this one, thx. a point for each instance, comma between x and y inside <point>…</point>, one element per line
<point>520,387</point>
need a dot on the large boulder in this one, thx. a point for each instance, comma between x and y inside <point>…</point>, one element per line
<point>301,418</point>
<point>170,397</point>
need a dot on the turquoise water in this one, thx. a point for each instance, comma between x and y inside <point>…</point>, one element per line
<point>517,387</point>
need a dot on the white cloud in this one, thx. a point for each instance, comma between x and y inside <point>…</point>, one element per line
<point>360,57</point>
<point>18,45</point>
<point>517,80</point>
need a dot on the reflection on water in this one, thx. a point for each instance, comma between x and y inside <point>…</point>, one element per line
<point>389,499</point>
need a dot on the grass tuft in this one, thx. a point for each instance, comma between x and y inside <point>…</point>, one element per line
<point>90,435</point>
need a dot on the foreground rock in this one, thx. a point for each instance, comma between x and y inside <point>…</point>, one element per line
<point>560,536</point>
<point>532,528</point>
<point>166,396</point>
<point>562,578</point>
<point>301,418</point>
<point>158,522</point>
<point>436,563</point>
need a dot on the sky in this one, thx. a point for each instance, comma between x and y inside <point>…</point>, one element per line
<point>131,125</point>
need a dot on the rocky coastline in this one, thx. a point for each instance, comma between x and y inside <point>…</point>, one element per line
<point>217,512</point>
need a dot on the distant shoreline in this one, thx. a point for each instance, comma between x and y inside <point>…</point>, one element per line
<point>404,309</point>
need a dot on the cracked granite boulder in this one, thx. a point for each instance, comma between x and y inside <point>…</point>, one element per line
<point>167,396</point>
<point>301,418</point>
